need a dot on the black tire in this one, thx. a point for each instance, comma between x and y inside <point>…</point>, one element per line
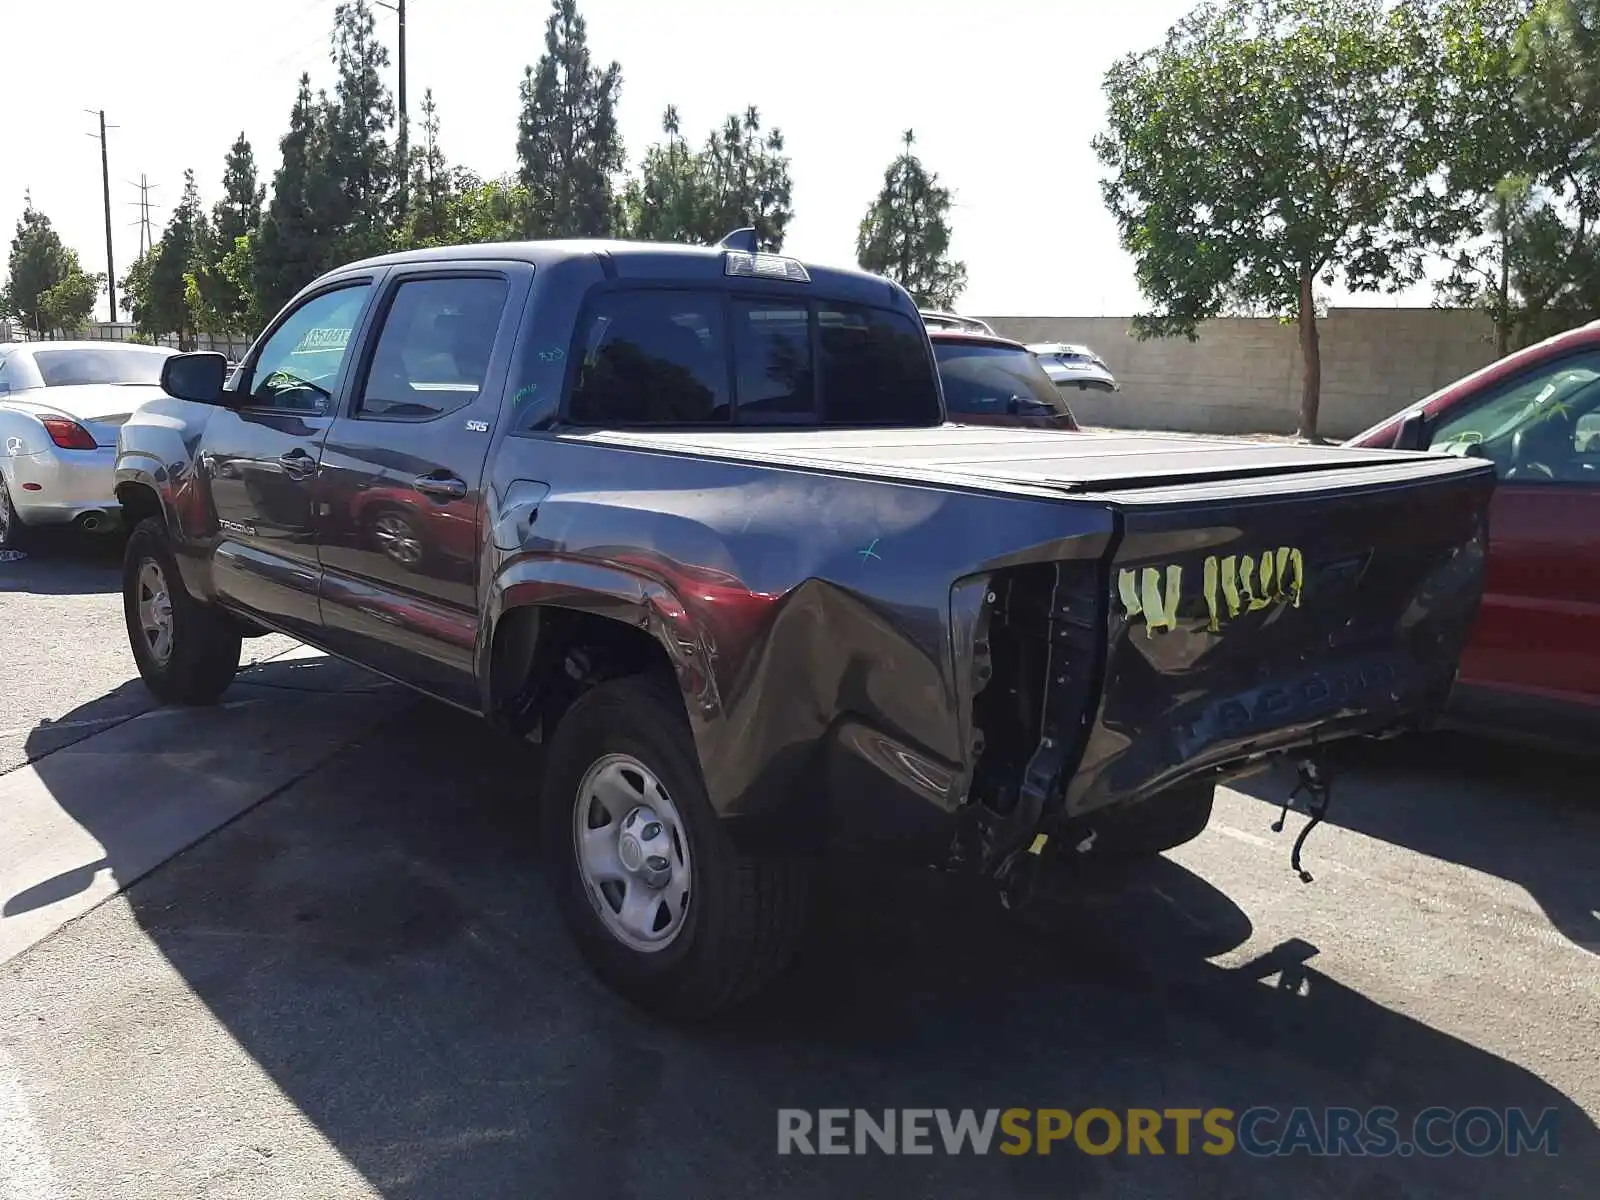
<point>744,915</point>
<point>204,654</point>
<point>1163,822</point>
<point>13,533</point>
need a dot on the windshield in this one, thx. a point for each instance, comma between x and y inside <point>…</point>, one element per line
<point>1491,425</point>
<point>114,364</point>
<point>995,381</point>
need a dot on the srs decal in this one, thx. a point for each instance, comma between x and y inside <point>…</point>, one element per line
<point>1229,585</point>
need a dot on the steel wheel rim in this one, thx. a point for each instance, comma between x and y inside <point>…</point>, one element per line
<point>155,611</point>
<point>398,539</point>
<point>632,851</point>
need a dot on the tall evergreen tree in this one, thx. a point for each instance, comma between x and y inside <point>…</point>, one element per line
<point>747,174</point>
<point>221,283</point>
<point>427,217</point>
<point>295,241</point>
<point>568,145</point>
<point>363,206</point>
<point>39,261</point>
<point>906,233</point>
<point>239,211</point>
<point>168,307</point>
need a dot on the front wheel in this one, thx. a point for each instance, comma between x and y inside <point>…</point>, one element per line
<point>662,904</point>
<point>187,652</point>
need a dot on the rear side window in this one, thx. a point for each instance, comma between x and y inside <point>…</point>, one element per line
<point>672,357</point>
<point>433,353</point>
<point>772,361</point>
<point>995,381</point>
<point>652,358</point>
<point>874,368</point>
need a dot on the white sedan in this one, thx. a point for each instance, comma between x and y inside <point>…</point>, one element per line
<point>60,406</point>
<point>1070,365</point>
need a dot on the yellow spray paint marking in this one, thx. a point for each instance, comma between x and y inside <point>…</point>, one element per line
<point>1246,583</point>
<point>1128,589</point>
<point>1160,612</point>
<point>1209,585</point>
<point>1290,557</point>
<point>1230,584</point>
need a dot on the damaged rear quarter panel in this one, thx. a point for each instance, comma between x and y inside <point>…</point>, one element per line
<point>809,615</point>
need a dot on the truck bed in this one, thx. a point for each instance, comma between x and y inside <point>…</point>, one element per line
<point>1251,598</point>
<point>1049,462</point>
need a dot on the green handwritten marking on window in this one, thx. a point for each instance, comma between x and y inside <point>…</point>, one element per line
<point>553,355</point>
<point>1229,585</point>
<point>524,393</point>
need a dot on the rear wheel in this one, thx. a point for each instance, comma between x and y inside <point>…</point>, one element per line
<point>1163,822</point>
<point>187,652</point>
<point>11,529</point>
<point>662,904</point>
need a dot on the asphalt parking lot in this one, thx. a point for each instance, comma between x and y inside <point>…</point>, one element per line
<point>298,946</point>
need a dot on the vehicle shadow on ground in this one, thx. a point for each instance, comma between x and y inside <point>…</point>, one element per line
<point>1527,815</point>
<point>157,779</point>
<point>378,940</point>
<point>63,562</point>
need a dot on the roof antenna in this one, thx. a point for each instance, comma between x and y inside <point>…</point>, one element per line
<point>740,239</point>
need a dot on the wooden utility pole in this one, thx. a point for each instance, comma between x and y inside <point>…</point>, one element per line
<point>105,185</point>
<point>402,140</point>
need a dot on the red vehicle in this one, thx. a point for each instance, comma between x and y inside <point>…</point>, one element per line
<point>991,380</point>
<point>1534,659</point>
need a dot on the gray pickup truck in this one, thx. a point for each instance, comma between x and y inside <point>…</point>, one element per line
<point>694,519</point>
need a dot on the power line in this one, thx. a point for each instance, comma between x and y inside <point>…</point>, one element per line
<point>105,185</point>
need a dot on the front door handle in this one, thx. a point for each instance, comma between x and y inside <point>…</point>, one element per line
<point>297,464</point>
<point>446,487</point>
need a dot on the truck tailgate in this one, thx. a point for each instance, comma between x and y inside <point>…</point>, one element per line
<point>1247,616</point>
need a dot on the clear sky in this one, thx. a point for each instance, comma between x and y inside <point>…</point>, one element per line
<point>1004,96</point>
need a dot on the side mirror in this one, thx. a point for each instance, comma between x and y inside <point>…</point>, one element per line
<point>198,376</point>
<point>1413,433</point>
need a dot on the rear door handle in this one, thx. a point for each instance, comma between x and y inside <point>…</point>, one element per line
<point>447,487</point>
<point>297,464</point>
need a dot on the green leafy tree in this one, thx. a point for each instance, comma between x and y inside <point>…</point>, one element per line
<point>363,205</point>
<point>670,199</point>
<point>906,233</point>
<point>568,146</point>
<point>486,210</point>
<point>1268,146</point>
<point>66,306</point>
<point>39,261</point>
<point>1486,147</point>
<point>747,175</point>
<point>1553,237</point>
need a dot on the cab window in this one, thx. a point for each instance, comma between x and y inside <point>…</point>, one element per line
<point>298,366</point>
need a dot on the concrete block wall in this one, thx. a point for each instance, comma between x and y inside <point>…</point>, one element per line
<point>1242,375</point>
